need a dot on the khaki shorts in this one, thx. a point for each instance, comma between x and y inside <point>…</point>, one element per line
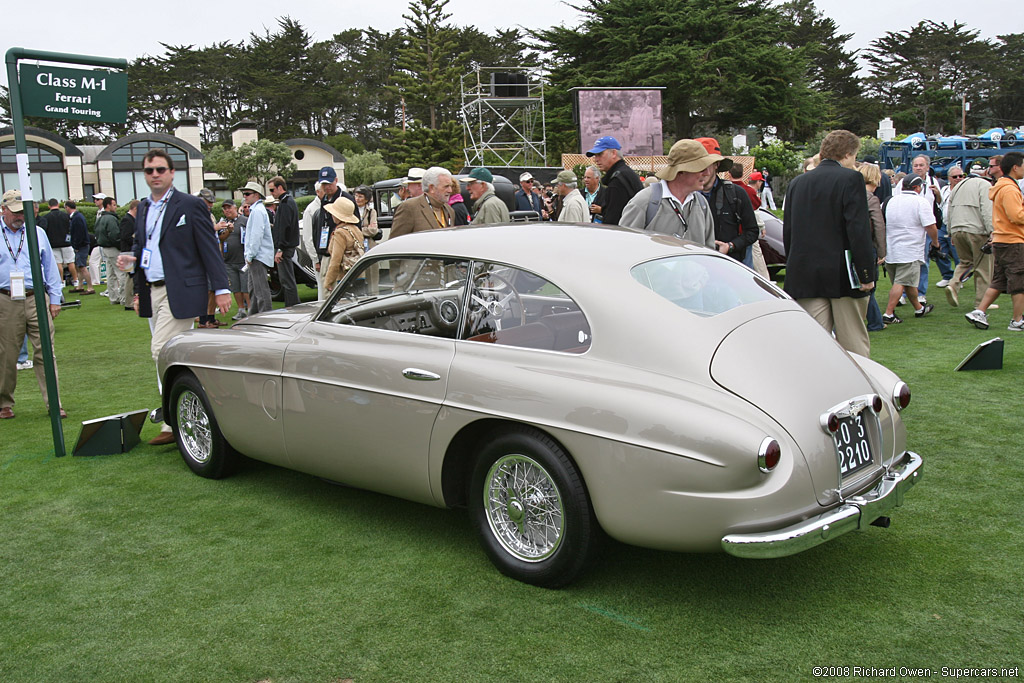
<point>906,274</point>
<point>1008,275</point>
<point>64,254</point>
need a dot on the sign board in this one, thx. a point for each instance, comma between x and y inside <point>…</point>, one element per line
<point>81,94</point>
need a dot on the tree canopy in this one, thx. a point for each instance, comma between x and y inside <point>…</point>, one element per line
<point>725,65</point>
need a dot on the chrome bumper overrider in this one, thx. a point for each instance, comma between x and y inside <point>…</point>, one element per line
<point>855,513</point>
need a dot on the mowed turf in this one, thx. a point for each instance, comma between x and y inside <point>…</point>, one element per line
<point>130,568</point>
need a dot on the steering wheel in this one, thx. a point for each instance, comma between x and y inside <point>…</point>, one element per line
<point>496,301</point>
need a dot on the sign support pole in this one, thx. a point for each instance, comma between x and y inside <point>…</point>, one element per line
<point>21,150</point>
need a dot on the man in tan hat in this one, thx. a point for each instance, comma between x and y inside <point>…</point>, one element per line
<point>430,210</point>
<point>259,247</point>
<point>18,317</point>
<point>574,206</point>
<point>675,206</point>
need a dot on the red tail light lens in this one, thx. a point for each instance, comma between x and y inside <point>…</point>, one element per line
<point>830,422</point>
<point>901,395</point>
<point>768,455</point>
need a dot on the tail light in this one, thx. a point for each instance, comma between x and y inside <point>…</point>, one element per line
<point>768,454</point>
<point>901,395</point>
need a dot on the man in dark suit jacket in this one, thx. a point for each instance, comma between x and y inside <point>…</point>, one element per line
<point>178,260</point>
<point>826,217</point>
<point>286,238</point>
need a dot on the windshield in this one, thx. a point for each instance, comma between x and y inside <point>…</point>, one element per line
<point>704,284</point>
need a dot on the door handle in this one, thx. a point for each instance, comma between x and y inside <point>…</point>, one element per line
<point>420,375</point>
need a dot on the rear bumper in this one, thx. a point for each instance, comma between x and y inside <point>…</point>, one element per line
<point>855,513</point>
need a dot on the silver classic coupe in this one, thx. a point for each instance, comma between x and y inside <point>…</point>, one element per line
<point>562,382</point>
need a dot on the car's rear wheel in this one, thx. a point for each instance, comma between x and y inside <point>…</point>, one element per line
<point>202,446</point>
<point>531,509</point>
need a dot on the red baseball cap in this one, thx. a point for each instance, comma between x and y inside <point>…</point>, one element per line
<point>711,145</point>
<point>756,175</point>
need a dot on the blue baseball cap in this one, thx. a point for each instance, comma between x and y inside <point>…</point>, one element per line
<point>607,142</point>
<point>327,174</point>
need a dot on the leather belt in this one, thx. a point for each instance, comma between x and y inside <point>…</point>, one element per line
<point>157,283</point>
<point>28,292</point>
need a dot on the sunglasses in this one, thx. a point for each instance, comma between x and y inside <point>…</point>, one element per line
<point>956,176</point>
<point>246,194</point>
<point>159,170</point>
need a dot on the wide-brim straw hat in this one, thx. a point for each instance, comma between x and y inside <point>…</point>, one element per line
<point>343,210</point>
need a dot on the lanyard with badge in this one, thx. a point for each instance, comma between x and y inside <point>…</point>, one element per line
<point>325,229</point>
<point>17,276</point>
<point>679,215</point>
<point>147,253</point>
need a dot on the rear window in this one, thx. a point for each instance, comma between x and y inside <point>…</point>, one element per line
<point>704,284</point>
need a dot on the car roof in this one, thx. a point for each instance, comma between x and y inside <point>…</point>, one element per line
<point>545,248</point>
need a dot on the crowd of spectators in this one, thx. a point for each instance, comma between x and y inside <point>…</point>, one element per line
<point>971,224</point>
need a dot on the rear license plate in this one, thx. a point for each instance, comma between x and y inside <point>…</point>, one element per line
<point>852,445</point>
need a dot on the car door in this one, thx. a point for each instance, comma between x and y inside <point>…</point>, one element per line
<point>364,381</point>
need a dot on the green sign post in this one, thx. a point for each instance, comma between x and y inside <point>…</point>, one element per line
<point>54,92</point>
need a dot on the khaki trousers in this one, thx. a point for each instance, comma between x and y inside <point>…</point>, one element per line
<point>968,248</point>
<point>115,276</point>
<point>163,325</point>
<point>845,316</point>
<point>18,319</point>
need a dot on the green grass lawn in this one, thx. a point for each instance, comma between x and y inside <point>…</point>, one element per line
<point>130,568</point>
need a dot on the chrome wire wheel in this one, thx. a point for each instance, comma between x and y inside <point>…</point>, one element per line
<point>524,508</point>
<point>194,431</point>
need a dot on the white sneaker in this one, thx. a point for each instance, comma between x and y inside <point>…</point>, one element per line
<point>27,365</point>
<point>1016,325</point>
<point>105,294</point>
<point>942,283</point>
<point>902,301</point>
<point>978,319</point>
<point>921,299</point>
<point>240,314</point>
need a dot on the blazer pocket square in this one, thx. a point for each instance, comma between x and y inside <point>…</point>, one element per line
<point>181,221</point>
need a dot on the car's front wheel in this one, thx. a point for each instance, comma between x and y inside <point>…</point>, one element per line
<point>531,509</point>
<point>202,446</point>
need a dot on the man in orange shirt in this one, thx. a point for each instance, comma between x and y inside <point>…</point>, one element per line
<point>1007,243</point>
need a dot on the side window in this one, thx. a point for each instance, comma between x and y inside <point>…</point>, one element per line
<point>413,295</point>
<point>387,201</point>
<point>512,307</point>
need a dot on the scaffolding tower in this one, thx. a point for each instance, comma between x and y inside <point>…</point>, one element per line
<point>503,117</point>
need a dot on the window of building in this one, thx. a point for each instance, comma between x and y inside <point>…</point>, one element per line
<point>129,180</point>
<point>49,180</point>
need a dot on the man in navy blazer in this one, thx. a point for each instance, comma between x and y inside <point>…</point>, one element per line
<point>826,227</point>
<point>178,260</point>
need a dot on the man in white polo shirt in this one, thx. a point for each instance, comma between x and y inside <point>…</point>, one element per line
<point>909,223</point>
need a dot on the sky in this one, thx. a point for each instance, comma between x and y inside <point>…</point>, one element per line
<point>188,22</point>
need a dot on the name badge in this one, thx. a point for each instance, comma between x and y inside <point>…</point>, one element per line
<point>17,285</point>
<point>324,234</point>
<point>146,254</point>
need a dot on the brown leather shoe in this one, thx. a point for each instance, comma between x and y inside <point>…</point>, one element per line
<point>89,291</point>
<point>162,439</point>
<point>6,413</point>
